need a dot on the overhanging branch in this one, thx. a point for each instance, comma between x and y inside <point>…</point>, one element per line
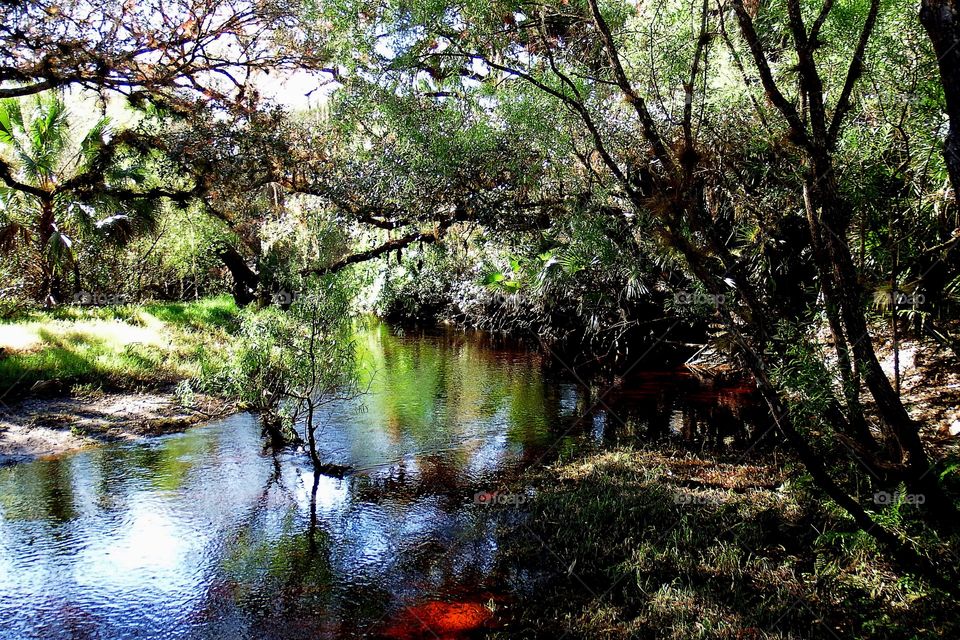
<point>425,237</point>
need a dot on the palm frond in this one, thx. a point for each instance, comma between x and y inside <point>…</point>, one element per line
<point>11,119</point>
<point>48,132</point>
<point>127,222</point>
<point>80,216</point>
<point>94,140</point>
<point>116,227</point>
<point>60,249</point>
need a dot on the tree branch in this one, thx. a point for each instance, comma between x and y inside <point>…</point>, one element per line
<point>786,108</point>
<point>391,245</point>
<point>6,174</point>
<point>639,105</point>
<point>853,74</point>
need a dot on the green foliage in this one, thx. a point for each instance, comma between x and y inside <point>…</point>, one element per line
<point>49,208</point>
<point>124,346</point>
<point>286,362</point>
<point>804,376</point>
<point>255,368</point>
<point>177,259</point>
<point>419,287</point>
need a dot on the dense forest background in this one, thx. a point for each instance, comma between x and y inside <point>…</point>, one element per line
<point>764,185</point>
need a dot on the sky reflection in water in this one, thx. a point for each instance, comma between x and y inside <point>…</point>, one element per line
<point>205,535</point>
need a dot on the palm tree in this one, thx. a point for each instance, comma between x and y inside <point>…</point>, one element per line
<point>48,195</point>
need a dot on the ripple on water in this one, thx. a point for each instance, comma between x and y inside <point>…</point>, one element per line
<point>204,535</point>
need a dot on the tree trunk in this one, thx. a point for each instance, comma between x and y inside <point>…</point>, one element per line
<point>848,293</point>
<point>851,382</point>
<point>312,436</point>
<point>44,233</point>
<point>245,279</point>
<point>941,19</point>
<point>941,575</point>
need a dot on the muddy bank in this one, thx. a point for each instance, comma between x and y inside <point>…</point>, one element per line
<point>36,427</point>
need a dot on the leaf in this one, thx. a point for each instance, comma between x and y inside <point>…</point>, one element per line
<point>60,249</point>
<point>493,278</point>
<point>94,140</point>
<point>6,130</point>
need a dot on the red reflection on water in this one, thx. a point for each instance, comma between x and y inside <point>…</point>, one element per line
<point>683,384</point>
<point>730,396</point>
<point>444,620</point>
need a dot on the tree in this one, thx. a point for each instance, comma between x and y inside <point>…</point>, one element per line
<point>941,19</point>
<point>57,188</point>
<point>177,50</point>
<point>659,122</point>
<point>289,363</point>
<point>815,131</point>
<point>452,168</point>
<point>296,354</point>
<point>323,360</point>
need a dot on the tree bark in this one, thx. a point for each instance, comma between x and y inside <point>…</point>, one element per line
<point>46,225</point>
<point>851,383</point>
<point>245,279</point>
<point>941,19</point>
<point>919,476</point>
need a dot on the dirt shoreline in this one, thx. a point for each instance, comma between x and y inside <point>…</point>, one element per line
<point>37,427</point>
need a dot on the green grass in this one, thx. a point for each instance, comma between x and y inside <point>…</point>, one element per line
<point>635,545</point>
<point>127,346</point>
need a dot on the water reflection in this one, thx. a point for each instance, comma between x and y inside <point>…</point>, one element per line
<point>206,535</point>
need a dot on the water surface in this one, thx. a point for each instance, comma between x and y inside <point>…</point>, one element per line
<point>205,534</point>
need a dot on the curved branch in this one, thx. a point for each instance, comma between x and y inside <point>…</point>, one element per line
<point>853,73</point>
<point>28,90</point>
<point>427,237</point>
<point>6,174</point>
<point>784,106</point>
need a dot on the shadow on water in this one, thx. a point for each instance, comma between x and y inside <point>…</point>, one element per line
<point>205,535</point>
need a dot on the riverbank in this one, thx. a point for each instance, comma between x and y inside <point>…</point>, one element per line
<point>639,542</point>
<point>643,543</point>
<point>78,375</point>
<point>118,348</point>
<point>49,426</point>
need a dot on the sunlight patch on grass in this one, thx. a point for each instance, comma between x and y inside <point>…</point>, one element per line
<point>37,335</point>
<point>120,346</point>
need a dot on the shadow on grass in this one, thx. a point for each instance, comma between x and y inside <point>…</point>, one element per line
<point>77,356</point>
<point>629,553</point>
<point>211,313</point>
<point>73,355</point>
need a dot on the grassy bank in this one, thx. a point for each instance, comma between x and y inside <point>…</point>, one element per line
<point>638,544</point>
<point>117,347</point>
